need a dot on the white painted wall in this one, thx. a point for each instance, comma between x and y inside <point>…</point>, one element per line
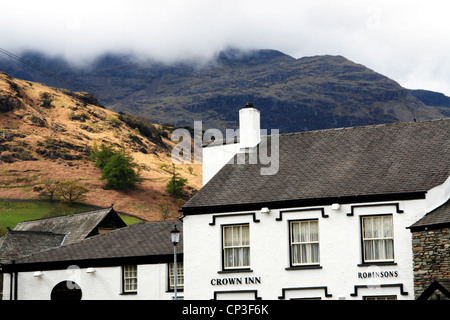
<point>340,254</point>
<point>104,284</point>
<point>215,157</point>
<point>438,195</point>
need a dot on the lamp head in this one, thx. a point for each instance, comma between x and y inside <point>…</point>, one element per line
<point>175,235</point>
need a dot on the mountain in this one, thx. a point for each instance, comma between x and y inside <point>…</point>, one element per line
<point>48,134</point>
<point>435,99</point>
<point>292,94</point>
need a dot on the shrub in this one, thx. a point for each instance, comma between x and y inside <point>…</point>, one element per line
<point>102,156</point>
<point>117,167</point>
<point>176,185</point>
<point>119,172</point>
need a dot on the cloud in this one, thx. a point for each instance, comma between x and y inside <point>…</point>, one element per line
<point>405,40</point>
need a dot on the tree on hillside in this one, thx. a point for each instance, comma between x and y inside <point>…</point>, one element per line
<point>176,185</point>
<point>117,167</point>
<point>71,191</point>
<point>119,172</point>
<point>50,189</point>
<point>101,156</point>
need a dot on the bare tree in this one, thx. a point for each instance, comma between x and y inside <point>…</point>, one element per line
<point>51,189</point>
<point>71,191</point>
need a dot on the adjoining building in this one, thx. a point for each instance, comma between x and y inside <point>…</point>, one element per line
<point>331,223</point>
<point>134,262</point>
<point>431,254</point>
<point>37,235</point>
<point>63,229</point>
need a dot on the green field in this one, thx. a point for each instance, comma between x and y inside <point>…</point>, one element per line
<point>12,213</point>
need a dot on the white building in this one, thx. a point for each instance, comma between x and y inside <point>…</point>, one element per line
<point>330,223</point>
<point>131,263</point>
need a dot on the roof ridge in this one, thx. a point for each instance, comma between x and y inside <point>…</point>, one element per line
<point>91,211</point>
<point>378,125</point>
<point>37,232</point>
<point>62,216</point>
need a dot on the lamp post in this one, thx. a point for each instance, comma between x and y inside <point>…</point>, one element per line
<point>175,235</point>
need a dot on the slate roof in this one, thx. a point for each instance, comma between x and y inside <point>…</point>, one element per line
<point>145,240</point>
<point>75,227</point>
<point>348,163</point>
<point>439,217</point>
<point>17,243</point>
<point>442,285</point>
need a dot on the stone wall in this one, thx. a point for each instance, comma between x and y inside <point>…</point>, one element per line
<point>431,256</point>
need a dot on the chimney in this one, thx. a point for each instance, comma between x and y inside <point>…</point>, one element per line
<point>249,127</point>
<point>215,155</point>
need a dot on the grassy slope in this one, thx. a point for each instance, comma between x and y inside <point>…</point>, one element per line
<point>62,135</point>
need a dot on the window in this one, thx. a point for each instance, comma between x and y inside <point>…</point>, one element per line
<point>180,276</point>
<point>377,238</point>
<point>380,298</point>
<point>304,241</point>
<point>236,247</point>
<point>130,279</point>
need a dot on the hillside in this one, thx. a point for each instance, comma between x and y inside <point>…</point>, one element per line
<point>293,94</point>
<point>49,133</point>
<point>435,99</point>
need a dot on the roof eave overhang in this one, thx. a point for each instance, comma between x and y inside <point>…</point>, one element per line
<point>87,263</point>
<point>297,203</point>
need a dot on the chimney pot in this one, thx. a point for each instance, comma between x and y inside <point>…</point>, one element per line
<point>249,126</point>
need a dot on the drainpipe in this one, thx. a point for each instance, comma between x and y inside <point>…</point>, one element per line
<point>11,280</point>
<point>16,275</point>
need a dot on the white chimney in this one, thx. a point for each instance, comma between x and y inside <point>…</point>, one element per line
<point>249,127</point>
<point>215,156</point>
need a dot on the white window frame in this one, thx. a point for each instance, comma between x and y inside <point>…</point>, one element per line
<point>392,297</point>
<point>129,279</point>
<point>180,276</point>
<point>239,247</point>
<point>378,238</point>
<point>308,242</point>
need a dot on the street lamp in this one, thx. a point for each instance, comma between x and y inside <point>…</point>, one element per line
<point>175,235</point>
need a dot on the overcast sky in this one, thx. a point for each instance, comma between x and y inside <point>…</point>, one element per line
<point>408,41</point>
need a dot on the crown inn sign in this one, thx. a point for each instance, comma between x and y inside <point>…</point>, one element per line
<point>235,281</point>
<point>257,280</point>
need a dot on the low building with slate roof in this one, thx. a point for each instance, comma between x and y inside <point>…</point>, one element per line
<point>134,262</point>
<point>37,235</point>
<point>77,226</point>
<point>321,214</point>
<point>431,254</point>
<point>19,243</point>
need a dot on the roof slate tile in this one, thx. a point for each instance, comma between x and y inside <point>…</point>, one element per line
<point>372,160</point>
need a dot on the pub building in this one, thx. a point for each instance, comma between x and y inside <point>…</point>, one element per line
<point>320,215</point>
<point>357,213</point>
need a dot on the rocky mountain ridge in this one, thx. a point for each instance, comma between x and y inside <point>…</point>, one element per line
<point>293,94</point>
